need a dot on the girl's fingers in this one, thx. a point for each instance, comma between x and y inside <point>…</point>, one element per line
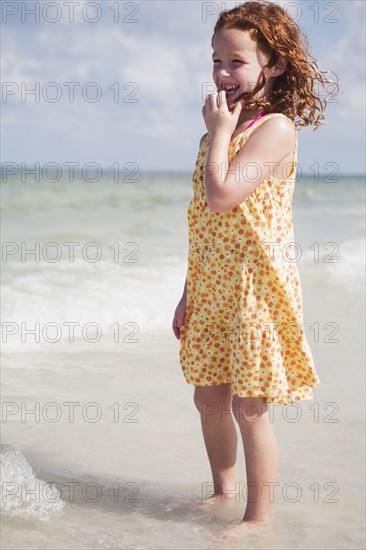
<point>222,97</point>
<point>213,97</point>
<point>211,100</point>
<point>214,101</point>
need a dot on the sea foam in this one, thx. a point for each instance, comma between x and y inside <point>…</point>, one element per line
<point>23,495</point>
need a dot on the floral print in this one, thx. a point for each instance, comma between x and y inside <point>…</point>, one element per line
<point>244,313</point>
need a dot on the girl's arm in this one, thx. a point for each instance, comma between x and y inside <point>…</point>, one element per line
<point>202,139</point>
<point>271,145</point>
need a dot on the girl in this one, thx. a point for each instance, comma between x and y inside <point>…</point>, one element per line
<point>240,318</point>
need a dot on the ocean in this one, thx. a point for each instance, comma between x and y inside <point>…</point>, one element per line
<point>101,443</point>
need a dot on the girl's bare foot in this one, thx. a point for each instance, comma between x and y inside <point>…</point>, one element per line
<point>234,533</point>
<point>206,505</point>
<point>220,498</point>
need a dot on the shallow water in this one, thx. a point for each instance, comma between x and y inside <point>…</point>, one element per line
<point>113,426</point>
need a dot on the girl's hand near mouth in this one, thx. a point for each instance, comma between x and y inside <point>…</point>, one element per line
<point>217,116</point>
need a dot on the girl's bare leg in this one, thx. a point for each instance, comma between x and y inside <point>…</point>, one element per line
<point>261,456</point>
<point>218,428</point>
<point>261,461</point>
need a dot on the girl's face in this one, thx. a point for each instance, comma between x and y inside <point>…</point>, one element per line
<point>238,63</point>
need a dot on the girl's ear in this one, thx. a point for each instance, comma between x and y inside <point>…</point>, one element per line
<point>279,67</point>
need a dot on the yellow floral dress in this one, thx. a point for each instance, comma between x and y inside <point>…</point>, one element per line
<point>244,313</point>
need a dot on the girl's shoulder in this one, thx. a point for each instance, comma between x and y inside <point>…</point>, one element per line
<point>276,127</point>
<point>272,139</point>
<point>275,122</point>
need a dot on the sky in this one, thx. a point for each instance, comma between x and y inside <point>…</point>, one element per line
<point>124,82</point>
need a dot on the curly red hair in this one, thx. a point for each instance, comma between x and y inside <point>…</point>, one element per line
<point>294,93</point>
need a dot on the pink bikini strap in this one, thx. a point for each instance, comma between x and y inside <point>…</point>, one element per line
<point>262,113</point>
